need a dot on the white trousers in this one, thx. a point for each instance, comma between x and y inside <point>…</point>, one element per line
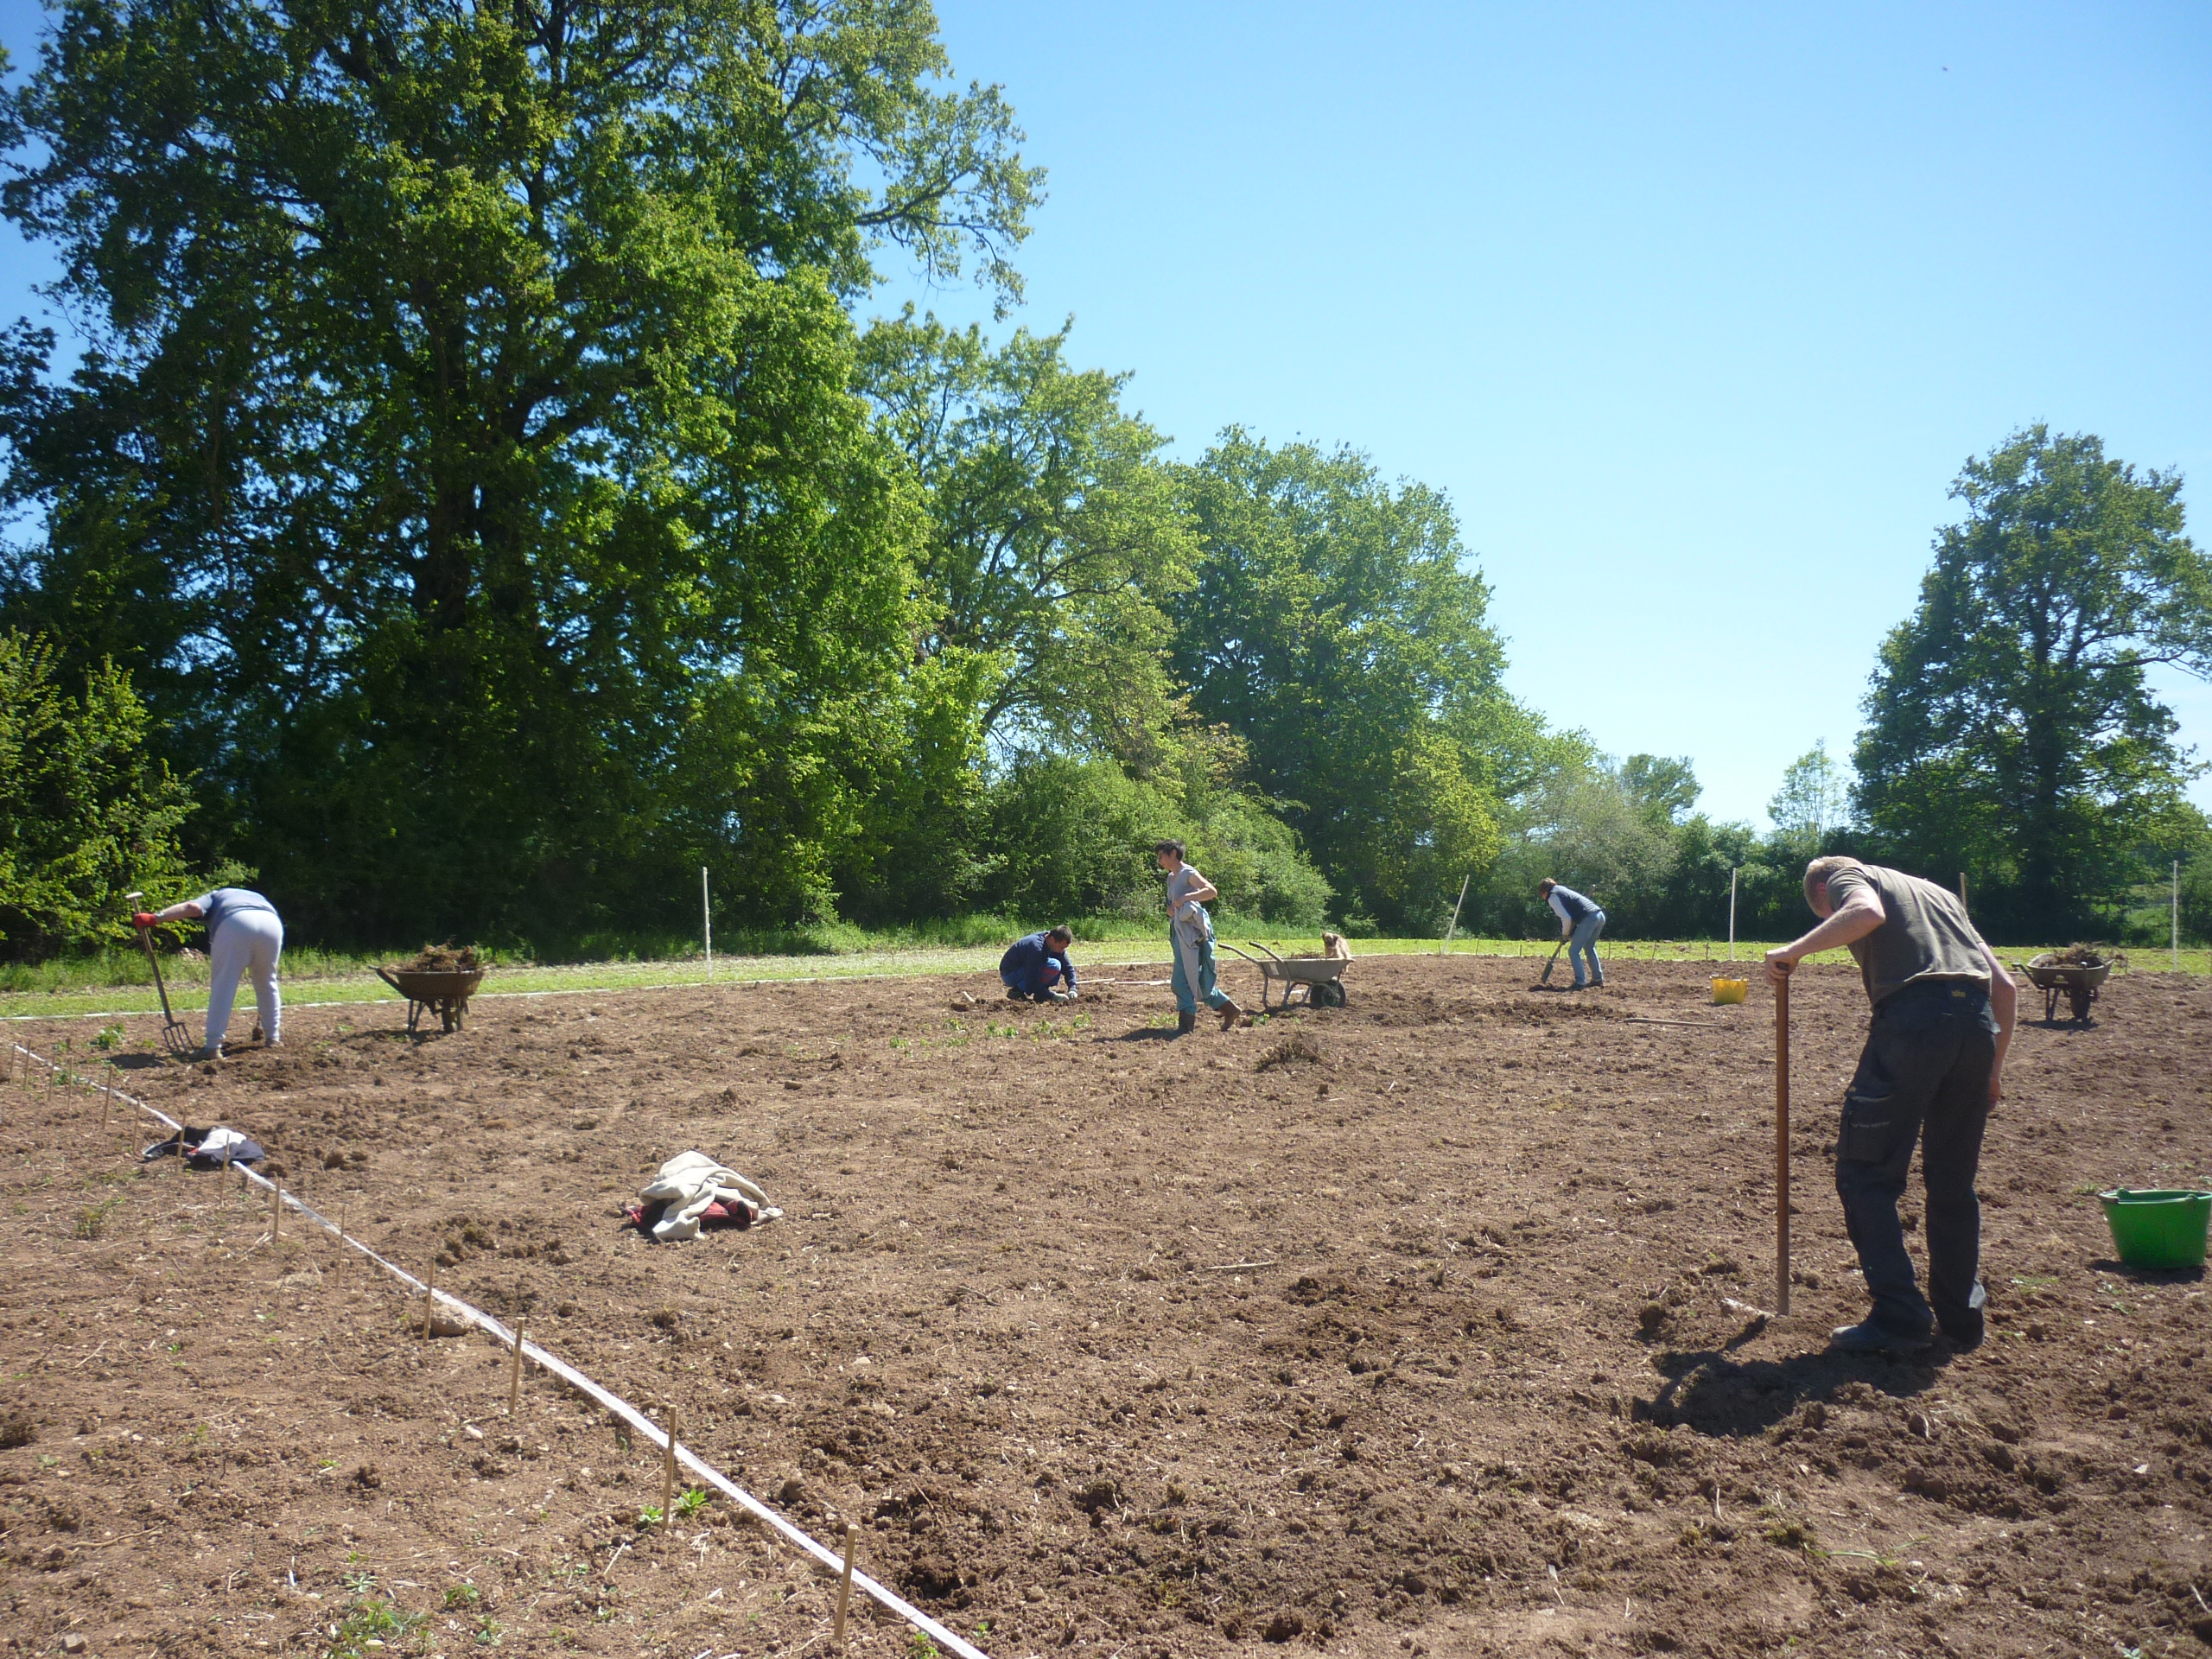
<point>247,940</point>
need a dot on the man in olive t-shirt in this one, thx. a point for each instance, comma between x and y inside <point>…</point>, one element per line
<point>1932,1067</point>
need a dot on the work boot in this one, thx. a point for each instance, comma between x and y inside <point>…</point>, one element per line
<point>1963,1335</point>
<point>1186,1021</point>
<point>1230,1013</point>
<point>1868,1337</point>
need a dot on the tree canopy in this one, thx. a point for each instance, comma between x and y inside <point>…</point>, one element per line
<point>466,459</point>
<point>1334,626</point>
<point>2011,733</point>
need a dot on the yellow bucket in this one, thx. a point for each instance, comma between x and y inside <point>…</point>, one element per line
<point>1730,990</point>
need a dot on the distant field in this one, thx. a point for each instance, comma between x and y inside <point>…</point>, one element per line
<point>325,981</point>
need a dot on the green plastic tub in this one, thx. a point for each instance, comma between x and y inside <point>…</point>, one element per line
<point>2158,1228</point>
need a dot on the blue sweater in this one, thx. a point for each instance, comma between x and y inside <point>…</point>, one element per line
<point>1023,965</point>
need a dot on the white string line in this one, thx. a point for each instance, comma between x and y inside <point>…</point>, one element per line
<point>584,1385</point>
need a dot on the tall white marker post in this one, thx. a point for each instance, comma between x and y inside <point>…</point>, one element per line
<point>1454,928</point>
<point>1732,915</point>
<point>2177,913</point>
<point>706,921</point>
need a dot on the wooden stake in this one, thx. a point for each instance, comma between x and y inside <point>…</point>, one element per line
<point>107,1096</point>
<point>668,1470</point>
<point>514,1378</point>
<point>1782,1148</point>
<point>845,1585</point>
<point>429,1298</point>
<point>276,1212</point>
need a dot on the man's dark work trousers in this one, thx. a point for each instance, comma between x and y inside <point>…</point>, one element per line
<point>1924,1076</point>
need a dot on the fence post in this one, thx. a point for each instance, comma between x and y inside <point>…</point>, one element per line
<point>1732,913</point>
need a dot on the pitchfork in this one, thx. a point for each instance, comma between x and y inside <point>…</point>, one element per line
<point>174,1037</point>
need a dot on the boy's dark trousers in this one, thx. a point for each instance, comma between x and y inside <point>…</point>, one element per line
<point>1923,1076</point>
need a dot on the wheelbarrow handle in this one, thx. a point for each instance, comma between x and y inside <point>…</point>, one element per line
<point>1257,945</point>
<point>1247,954</point>
<point>390,981</point>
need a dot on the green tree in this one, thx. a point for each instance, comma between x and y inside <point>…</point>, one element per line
<point>1665,787</point>
<point>2010,731</point>
<point>465,460</point>
<point>1814,799</point>
<point>86,813</point>
<point>1334,628</point>
<point>1056,534</point>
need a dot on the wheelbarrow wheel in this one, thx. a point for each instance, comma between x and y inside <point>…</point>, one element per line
<point>1327,994</point>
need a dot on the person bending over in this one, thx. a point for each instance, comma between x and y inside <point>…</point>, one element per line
<point>1190,931</point>
<point>1581,921</point>
<point>1932,1067</point>
<point>1036,967</point>
<point>243,933</point>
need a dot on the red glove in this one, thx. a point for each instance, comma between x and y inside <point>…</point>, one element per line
<point>143,919</point>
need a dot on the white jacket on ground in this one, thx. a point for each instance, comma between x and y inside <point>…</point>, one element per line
<point>690,1181</point>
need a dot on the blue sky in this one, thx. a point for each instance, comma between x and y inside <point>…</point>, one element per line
<point>1693,311</point>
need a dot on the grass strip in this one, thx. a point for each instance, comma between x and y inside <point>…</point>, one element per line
<point>312,989</point>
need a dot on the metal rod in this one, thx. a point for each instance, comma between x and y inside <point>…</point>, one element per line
<point>1732,915</point>
<point>1454,928</point>
<point>1781,1147</point>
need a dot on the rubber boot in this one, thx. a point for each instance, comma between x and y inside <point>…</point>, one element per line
<point>1230,1013</point>
<point>1186,1021</point>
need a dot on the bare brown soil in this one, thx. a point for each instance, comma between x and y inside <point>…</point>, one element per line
<point>1430,1325</point>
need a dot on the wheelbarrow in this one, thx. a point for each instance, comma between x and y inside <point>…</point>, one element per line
<point>444,995</point>
<point>1320,977</point>
<point>2077,983</point>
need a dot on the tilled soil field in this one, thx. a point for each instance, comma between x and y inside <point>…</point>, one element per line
<point>1432,1324</point>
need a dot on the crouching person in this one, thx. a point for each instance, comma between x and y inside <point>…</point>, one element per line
<point>1037,967</point>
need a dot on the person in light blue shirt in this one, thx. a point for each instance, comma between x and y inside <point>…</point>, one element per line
<point>243,933</point>
<point>1190,933</point>
<point>1581,921</point>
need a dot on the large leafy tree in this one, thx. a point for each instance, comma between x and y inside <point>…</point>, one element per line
<point>465,458</point>
<point>2010,730</point>
<point>1335,628</point>
<point>1056,533</point>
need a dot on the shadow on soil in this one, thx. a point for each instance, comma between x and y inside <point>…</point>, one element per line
<point>2148,1276</point>
<point>1711,1393</point>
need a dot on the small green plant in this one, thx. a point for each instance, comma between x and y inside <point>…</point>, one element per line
<point>488,1634</point>
<point>1788,1532</point>
<point>693,1500</point>
<point>110,1038</point>
<point>461,1595</point>
<point>650,1515</point>
<point>372,1625</point>
<point>92,1220</point>
<point>919,1646</point>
